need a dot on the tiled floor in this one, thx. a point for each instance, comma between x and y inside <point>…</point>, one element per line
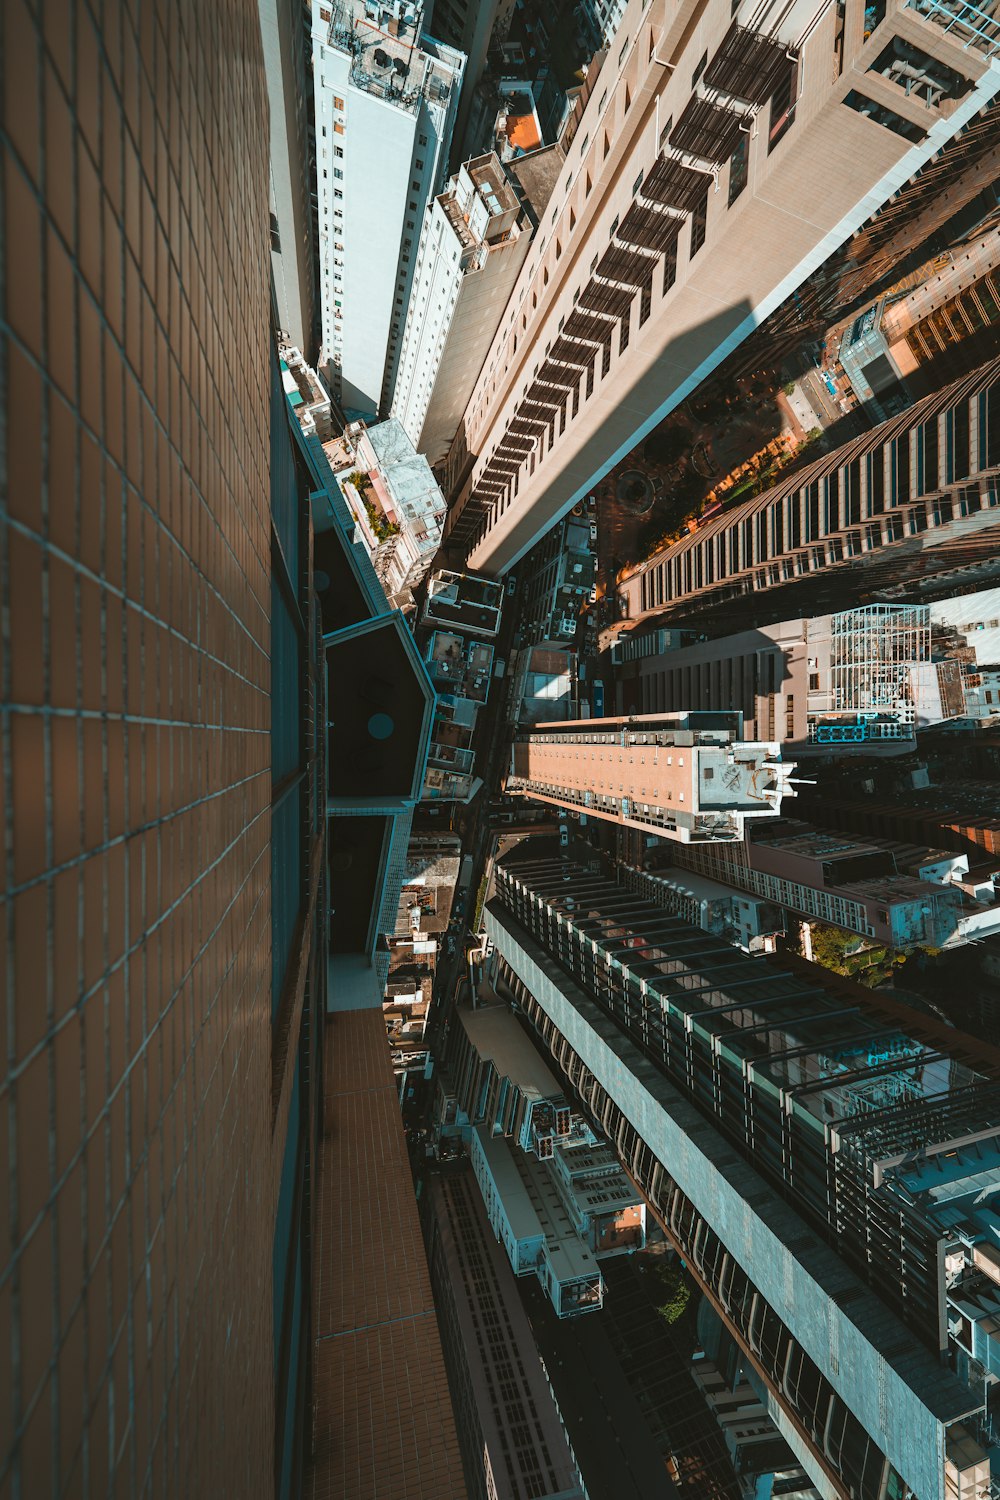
<point>384,1423</point>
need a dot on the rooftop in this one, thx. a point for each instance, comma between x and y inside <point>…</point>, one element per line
<point>381,710</point>
<point>497,1036</point>
<point>390,59</point>
<point>537,173</point>
<point>460,666</point>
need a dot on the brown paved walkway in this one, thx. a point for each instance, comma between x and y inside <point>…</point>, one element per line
<point>384,1427</point>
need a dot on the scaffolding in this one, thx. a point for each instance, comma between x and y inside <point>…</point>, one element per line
<point>873,651</point>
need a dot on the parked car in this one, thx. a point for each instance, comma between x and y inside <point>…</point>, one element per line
<point>511,585</point>
<point>593,531</point>
<point>563,836</point>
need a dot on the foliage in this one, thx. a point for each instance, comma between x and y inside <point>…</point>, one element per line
<point>382,528</point>
<point>789,387</point>
<point>846,953</point>
<point>669,1283</point>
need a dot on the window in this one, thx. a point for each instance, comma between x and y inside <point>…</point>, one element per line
<point>336,172</point>
<point>419,165</point>
<point>603,102</point>
<point>337,194</point>
<point>699,218</point>
<point>415,187</point>
<point>324,131</point>
<point>664,133</point>
<point>637,184</point>
<point>421,140</point>
<point>738,168</point>
<point>614,228</point>
<point>337,103</point>
<point>783,103</point>
<point>607,144</point>
<point>338,151</point>
<point>621,55</point>
<point>699,69</point>
<point>584,144</point>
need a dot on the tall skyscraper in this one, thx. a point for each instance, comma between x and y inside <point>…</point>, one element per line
<point>685,776</point>
<point>821,1157</point>
<point>685,213</point>
<point>165,900</point>
<point>473,244</point>
<point>914,499</point>
<point>386,99</point>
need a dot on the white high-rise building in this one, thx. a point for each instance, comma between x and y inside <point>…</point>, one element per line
<point>473,244</point>
<point>386,102</point>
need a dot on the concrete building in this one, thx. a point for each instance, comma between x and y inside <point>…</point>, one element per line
<point>386,101</point>
<point>186,1121</point>
<point>470,26</point>
<point>886,344</point>
<point>459,620</point>
<point>602,19</point>
<point>913,498</point>
<point>740,1403</point>
<point>543,684</point>
<point>394,500</point>
<point>896,894</point>
<point>556,582</point>
<point>461,668</point>
<point>554,1193</point>
<point>683,776</point>
<point>961,814</point>
<point>514,1440</point>
<point>464,602</point>
<point>819,1156</point>
<point>293,251</point>
<point>844,683</point>
<point>627,301</point>
<point>306,394</point>
<point>473,243</point>
<point>741,917</point>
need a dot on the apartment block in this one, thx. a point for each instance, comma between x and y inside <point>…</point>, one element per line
<point>473,243</point>
<point>394,500</point>
<point>459,620</point>
<point>814,1152</point>
<point>887,343</point>
<point>914,498</point>
<point>844,683</point>
<point>895,894</point>
<point>693,171</point>
<point>386,101</point>
<point>685,776</point>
